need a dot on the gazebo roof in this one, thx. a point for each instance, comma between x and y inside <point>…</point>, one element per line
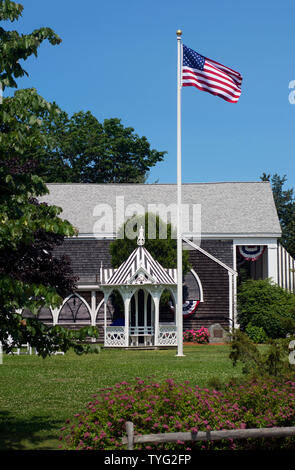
<point>139,268</point>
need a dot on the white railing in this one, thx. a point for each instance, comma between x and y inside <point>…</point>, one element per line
<point>145,332</point>
<point>167,335</point>
<point>115,336</point>
<point>141,330</point>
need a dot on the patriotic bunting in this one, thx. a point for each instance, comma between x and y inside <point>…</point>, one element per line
<point>251,253</point>
<point>189,307</point>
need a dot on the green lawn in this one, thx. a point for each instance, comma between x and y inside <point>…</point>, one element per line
<point>37,395</point>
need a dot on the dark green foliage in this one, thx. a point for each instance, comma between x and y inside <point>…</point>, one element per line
<point>285,205</point>
<point>266,305</point>
<point>76,149</point>
<point>164,250</point>
<point>30,276</point>
<point>15,47</point>
<point>86,151</point>
<point>256,334</point>
<point>272,362</point>
<point>243,349</point>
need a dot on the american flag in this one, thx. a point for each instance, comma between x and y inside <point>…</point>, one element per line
<point>208,75</point>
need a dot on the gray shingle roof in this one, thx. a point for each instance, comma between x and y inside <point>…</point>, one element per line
<point>237,208</point>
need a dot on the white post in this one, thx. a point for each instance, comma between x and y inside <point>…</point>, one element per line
<point>230,300</point>
<point>93,308</point>
<point>127,308</point>
<point>179,202</point>
<point>156,303</point>
<point>55,313</point>
<point>105,319</point>
<point>272,258</point>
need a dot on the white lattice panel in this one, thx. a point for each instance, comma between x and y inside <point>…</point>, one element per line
<point>167,336</point>
<point>115,336</point>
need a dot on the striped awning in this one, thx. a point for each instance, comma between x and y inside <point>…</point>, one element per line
<point>139,268</point>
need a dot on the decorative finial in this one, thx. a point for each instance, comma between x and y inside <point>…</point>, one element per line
<point>179,32</point>
<point>140,239</point>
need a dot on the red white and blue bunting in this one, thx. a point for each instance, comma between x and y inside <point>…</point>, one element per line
<point>251,252</point>
<point>189,307</point>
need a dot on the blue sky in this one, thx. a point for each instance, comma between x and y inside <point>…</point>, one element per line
<point>119,59</point>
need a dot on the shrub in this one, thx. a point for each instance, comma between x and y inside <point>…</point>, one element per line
<point>268,306</point>
<point>272,362</point>
<point>200,336</point>
<point>171,407</point>
<point>256,334</point>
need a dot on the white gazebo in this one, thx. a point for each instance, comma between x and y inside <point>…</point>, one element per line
<point>140,280</point>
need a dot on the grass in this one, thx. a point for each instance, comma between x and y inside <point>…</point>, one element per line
<point>37,395</point>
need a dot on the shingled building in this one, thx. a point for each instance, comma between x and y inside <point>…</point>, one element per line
<point>225,225</point>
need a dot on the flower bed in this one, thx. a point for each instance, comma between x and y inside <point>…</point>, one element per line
<point>171,407</point>
<point>200,336</point>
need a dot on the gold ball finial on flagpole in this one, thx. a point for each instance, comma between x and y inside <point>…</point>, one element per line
<point>179,32</point>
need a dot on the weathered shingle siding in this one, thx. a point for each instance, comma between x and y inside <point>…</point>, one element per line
<point>221,249</point>
<point>215,283</point>
<point>86,257</point>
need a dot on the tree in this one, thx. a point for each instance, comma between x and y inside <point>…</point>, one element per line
<point>266,305</point>
<point>15,47</point>
<point>164,250</point>
<point>83,150</point>
<point>78,149</point>
<point>30,276</point>
<point>285,205</point>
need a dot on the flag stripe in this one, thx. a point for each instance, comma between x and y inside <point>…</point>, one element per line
<point>237,74</point>
<point>213,83</point>
<point>187,73</point>
<point>211,76</point>
<point>217,71</point>
<point>213,91</point>
<point>221,95</point>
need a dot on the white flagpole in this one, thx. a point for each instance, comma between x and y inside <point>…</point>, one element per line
<point>179,221</point>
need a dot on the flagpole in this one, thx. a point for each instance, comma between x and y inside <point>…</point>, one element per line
<point>179,202</point>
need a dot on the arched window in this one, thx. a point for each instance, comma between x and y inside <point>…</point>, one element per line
<point>74,310</point>
<point>45,315</point>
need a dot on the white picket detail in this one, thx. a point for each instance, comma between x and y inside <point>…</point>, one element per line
<point>115,336</point>
<point>167,335</point>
